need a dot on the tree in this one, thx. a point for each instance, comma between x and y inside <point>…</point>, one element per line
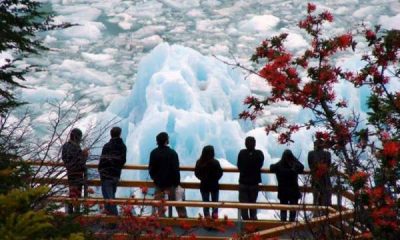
<point>368,153</point>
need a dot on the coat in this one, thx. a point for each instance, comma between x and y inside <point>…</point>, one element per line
<point>112,159</point>
<point>288,186</point>
<point>249,164</point>
<point>209,175</point>
<point>315,158</point>
<point>74,161</point>
<point>164,167</point>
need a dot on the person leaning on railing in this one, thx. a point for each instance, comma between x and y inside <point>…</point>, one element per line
<point>287,170</point>
<point>164,170</point>
<point>74,159</point>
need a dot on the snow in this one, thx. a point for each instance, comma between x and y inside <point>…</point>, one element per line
<point>390,22</point>
<point>261,23</point>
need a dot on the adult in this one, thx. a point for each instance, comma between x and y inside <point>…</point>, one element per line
<point>112,160</point>
<point>209,171</point>
<point>319,162</point>
<point>287,170</point>
<point>249,163</point>
<point>74,159</point>
<point>164,170</point>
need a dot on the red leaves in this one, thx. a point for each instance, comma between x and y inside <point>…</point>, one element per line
<point>359,179</point>
<point>391,148</point>
<point>344,41</point>
<point>311,8</point>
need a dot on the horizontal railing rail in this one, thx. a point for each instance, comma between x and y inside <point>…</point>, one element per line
<point>220,204</point>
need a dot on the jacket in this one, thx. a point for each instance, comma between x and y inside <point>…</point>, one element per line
<point>209,175</point>
<point>112,159</point>
<point>315,158</point>
<point>74,160</point>
<point>288,187</point>
<point>164,167</point>
<point>249,164</point>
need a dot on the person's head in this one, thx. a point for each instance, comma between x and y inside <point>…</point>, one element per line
<point>207,154</point>
<point>76,135</point>
<point>250,143</point>
<point>318,144</point>
<point>287,156</point>
<point>115,132</point>
<point>162,139</point>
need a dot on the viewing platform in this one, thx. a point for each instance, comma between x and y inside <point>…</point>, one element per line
<point>308,219</point>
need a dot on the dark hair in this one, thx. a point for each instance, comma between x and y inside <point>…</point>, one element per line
<point>162,138</point>
<point>207,154</point>
<point>250,143</point>
<point>287,156</point>
<point>115,132</point>
<point>319,144</point>
<point>75,135</point>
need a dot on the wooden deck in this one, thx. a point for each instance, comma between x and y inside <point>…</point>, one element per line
<point>266,228</point>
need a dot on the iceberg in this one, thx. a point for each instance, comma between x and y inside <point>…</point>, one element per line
<point>196,99</point>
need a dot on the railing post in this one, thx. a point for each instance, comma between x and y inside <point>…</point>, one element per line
<point>85,189</point>
<point>240,221</point>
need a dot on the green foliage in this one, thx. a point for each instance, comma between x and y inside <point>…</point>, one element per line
<point>13,173</point>
<point>20,21</point>
<point>22,217</point>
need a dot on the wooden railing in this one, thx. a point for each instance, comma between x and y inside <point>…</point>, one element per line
<point>271,229</point>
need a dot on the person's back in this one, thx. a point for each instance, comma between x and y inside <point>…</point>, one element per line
<point>209,175</point>
<point>319,162</point>
<point>74,159</point>
<point>112,160</point>
<point>287,176</point>
<point>287,170</point>
<point>164,167</point>
<point>249,163</point>
<point>164,170</point>
<point>209,171</point>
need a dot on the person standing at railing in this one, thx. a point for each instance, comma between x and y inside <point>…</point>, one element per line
<point>209,171</point>
<point>249,163</point>
<point>112,160</point>
<point>164,170</point>
<point>287,170</point>
<point>74,159</point>
<point>319,161</point>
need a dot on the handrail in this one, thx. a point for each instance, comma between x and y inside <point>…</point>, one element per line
<point>144,167</point>
<point>150,184</point>
<point>221,204</point>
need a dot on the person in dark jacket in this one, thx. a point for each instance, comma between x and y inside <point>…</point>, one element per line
<point>164,170</point>
<point>249,163</point>
<point>209,171</point>
<point>112,160</point>
<point>74,159</point>
<point>287,170</point>
<point>319,162</point>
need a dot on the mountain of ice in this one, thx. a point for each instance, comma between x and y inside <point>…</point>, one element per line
<point>195,98</point>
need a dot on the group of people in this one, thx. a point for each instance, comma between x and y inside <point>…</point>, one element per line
<point>164,171</point>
